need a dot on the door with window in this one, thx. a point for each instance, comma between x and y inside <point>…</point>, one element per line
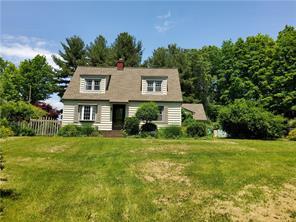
<point>118,115</point>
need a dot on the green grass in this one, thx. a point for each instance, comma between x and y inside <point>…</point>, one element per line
<point>102,179</point>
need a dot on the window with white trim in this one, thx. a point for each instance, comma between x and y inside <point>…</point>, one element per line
<point>87,112</point>
<point>161,113</point>
<point>154,85</point>
<point>92,84</point>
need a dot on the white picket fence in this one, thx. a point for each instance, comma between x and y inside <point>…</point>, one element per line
<point>45,126</point>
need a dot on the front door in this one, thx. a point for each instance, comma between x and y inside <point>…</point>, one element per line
<point>118,115</point>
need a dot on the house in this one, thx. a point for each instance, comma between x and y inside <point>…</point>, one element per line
<point>106,96</point>
<point>196,110</point>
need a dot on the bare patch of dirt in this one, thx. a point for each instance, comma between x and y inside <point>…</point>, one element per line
<point>179,149</point>
<point>277,205</point>
<point>177,198</point>
<point>164,171</point>
<point>57,149</point>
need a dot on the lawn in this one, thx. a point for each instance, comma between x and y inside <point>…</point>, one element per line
<point>103,179</point>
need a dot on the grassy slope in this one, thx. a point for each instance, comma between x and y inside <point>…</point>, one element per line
<point>101,179</point>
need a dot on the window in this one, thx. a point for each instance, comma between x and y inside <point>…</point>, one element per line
<point>92,84</point>
<point>97,85</point>
<point>161,113</point>
<point>150,85</point>
<point>87,112</point>
<point>88,84</point>
<point>158,86</point>
<point>154,85</point>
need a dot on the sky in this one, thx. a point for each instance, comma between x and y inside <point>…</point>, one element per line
<point>29,28</point>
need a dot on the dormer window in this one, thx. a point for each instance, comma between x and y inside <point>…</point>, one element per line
<point>154,85</point>
<point>92,84</point>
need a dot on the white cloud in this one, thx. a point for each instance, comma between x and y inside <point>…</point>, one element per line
<point>55,102</point>
<point>165,16</point>
<point>17,48</point>
<point>164,23</point>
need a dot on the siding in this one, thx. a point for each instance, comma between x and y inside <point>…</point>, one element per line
<point>104,124</point>
<point>174,112</point>
<point>102,84</point>
<point>164,87</point>
<point>68,113</point>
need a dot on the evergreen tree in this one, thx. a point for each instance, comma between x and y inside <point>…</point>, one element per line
<point>98,52</point>
<point>73,54</point>
<point>127,47</point>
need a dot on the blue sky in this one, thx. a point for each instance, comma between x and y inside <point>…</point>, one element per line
<point>29,28</point>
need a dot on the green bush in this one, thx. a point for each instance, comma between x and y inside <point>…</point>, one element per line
<point>292,135</point>
<point>86,130</point>
<point>292,123</point>
<point>147,112</point>
<point>188,121</point>
<point>75,130</point>
<point>148,134</point>
<point>171,132</point>
<point>20,111</point>
<point>70,130</point>
<point>131,125</point>
<point>247,119</point>
<point>4,122</point>
<point>149,127</point>
<point>5,132</point>
<point>22,130</point>
<point>196,129</point>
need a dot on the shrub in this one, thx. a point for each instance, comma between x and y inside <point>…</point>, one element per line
<point>147,112</point>
<point>131,125</point>
<point>188,121</point>
<point>171,132</point>
<point>4,122</point>
<point>69,130</point>
<point>86,130</point>
<point>5,132</point>
<point>246,119</point>
<point>196,129</point>
<point>292,135</point>
<point>19,111</point>
<point>22,130</point>
<point>185,115</point>
<point>148,127</point>
<point>148,134</point>
<point>292,123</point>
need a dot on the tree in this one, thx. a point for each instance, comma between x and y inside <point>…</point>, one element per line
<point>73,54</point>
<point>38,80</point>
<point>127,47</point>
<point>248,119</point>
<point>282,98</point>
<point>10,83</point>
<point>98,52</point>
<point>19,111</point>
<point>147,112</point>
<point>51,112</point>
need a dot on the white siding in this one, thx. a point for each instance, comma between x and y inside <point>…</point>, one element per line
<point>164,87</point>
<point>174,112</point>
<point>68,113</point>
<point>102,84</point>
<point>104,124</point>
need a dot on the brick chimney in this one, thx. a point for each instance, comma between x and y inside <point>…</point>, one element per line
<point>120,64</point>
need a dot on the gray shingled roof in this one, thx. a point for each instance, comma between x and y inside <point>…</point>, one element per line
<point>197,110</point>
<point>125,85</point>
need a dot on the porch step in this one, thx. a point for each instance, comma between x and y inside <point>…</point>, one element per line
<point>112,133</point>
